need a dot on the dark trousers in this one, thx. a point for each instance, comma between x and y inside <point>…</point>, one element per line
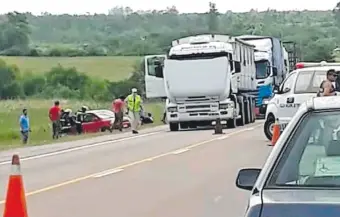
<point>55,129</point>
<point>24,135</point>
<point>119,120</point>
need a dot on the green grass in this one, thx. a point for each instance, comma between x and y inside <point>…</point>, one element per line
<point>10,111</point>
<point>113,68</point>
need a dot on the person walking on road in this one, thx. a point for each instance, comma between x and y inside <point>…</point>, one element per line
<point>118,109</point>
<point>134,106</point>
<point>327,88</point>
<point>24,126</point>
<point>55,114</point>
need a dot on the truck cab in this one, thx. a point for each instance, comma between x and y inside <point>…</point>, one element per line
<point>204,78</point>
<point>265,73</point>
<point>299,86</point>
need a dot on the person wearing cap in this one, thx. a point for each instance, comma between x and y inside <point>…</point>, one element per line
<point>134,106</point>
<point>327,88</point>
<point>24,126</point>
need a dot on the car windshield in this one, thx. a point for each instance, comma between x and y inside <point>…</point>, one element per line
<point>261,69</point>
<point>312,154</point>
<point>309,81</point>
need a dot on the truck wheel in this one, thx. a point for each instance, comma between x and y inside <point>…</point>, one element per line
<point>247,112</point>
<point>232,123</point>
<point>174,126</point>
<point>253,117</point>
<point>268,127</point>
<point>240,122</point>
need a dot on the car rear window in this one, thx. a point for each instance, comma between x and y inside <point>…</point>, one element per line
<point>312,154</point>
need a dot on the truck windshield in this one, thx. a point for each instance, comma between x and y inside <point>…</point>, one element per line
<point>262,69</point>
<point>309,81</point>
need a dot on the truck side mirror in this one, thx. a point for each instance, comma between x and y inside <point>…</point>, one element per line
<point>274,71</point>
<point>237,67</point>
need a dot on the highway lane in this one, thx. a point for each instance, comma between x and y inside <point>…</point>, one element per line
<point>173,183</point>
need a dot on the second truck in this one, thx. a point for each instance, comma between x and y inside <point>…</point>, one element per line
<point>272,65</point>
<point>204,78</point>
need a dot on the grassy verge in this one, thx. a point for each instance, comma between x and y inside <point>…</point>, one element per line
<point>10,111</point>
<point>113,68</point>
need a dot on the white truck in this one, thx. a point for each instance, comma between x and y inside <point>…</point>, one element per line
<point>204,78</point>
<point>270,67</point>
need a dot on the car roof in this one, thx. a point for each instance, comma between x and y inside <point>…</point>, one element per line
<point>318,68</point>
<point>326,102</point>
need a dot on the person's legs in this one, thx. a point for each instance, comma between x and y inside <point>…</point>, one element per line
<point>24,137</point>
<point>54,128</point>
<point>120,116</point>
<point>137,120</point>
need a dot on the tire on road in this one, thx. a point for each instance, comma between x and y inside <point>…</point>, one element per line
<point>268,125</point>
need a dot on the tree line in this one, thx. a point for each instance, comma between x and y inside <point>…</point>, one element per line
<point>127,32</point>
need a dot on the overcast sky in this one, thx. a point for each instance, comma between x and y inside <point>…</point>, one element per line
<point>102,6</point>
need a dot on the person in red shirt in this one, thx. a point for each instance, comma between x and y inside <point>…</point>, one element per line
<point>54,114</point>
<point>118,109</point>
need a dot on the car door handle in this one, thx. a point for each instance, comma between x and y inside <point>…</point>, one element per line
<point>290,100</point>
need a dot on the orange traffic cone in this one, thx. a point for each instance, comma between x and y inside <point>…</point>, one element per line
<point>15,205</point>
<point>276,132</point>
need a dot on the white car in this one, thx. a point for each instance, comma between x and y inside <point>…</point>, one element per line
<point>301,176</point>
<point>299,86</point>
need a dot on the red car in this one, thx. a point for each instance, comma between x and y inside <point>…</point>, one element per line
<point>96,121</point>
<point>101,120</point>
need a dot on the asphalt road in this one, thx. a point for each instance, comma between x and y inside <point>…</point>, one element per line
<point>168,174</point>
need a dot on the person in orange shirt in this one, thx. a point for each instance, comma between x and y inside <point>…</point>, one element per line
<point>54,114</point>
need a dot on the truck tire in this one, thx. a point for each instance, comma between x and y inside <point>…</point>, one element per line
<point>174,126</point>
<point>268,127</point>
<point>247,113</point>
<point>241,121</point>
<point>232,123</point>
<point>252,110</point>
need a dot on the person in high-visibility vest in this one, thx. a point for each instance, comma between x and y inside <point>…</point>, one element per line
<point>134,106</point>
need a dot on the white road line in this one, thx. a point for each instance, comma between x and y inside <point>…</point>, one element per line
<point>81,148</point>
<point>106,173</point>
<point>180,151</point>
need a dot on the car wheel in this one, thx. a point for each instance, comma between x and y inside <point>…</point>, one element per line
<point>268,127</point>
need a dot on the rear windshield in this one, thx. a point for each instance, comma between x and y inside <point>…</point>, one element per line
<point>309,81</point>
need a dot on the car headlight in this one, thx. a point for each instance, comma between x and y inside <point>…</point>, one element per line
<point>226,105</point>
<point>265,101</point>
<point>172,109</point>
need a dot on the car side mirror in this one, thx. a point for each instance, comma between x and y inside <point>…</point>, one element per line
<point>274,71</point>
<point>237,67</point>
<point>246,178</point>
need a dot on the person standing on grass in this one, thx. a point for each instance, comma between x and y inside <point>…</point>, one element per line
<point>24,126</point>
<point>134,106</point>
<point>118,109</point>
<point>54,114</point>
